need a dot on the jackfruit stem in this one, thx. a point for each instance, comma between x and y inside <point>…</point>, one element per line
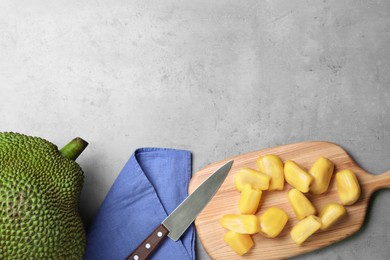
<point>74,148</point>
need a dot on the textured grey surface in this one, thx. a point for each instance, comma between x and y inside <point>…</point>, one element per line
<point>219,78</point>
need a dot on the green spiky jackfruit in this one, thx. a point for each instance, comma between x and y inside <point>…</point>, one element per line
<point>39,198</point>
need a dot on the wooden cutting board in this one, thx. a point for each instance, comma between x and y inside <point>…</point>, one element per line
<point>226,202</point>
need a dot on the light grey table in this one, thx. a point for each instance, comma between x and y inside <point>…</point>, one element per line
<point>219,78</point>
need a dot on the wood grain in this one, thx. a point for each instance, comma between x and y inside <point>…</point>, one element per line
<point>226,201</point>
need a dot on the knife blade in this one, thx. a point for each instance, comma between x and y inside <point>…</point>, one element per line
<point>181,218</point>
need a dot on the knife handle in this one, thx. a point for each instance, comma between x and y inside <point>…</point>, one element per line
<point>150,244</point>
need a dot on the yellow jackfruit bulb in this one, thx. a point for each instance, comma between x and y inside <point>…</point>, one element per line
<point>240,243</point>
<point>243,224</point>
<point>301,205</point>
<point>297,177</point>
<point>272,222</point>
<point>305,228</point>
<point>249,200</point>
<point>348,187</point>
<point>331,214</point>
<point>322,171</point>
<point>256,179</point>
<point>272,166</point>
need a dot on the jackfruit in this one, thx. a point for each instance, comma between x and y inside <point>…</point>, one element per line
<point>39,198</point>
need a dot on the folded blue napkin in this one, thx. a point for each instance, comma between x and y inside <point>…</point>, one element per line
<point>150,186</point>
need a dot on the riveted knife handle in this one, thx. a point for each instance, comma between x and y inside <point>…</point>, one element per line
<point>150,244</point>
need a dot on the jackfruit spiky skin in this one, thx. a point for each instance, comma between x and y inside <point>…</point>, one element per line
<point>39,199</point>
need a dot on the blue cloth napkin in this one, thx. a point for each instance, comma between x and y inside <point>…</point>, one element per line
<point>151,185</point>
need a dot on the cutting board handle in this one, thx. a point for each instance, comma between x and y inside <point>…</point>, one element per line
<point>381,181</point>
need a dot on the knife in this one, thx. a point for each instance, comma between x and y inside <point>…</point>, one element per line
<point>181,218</point>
